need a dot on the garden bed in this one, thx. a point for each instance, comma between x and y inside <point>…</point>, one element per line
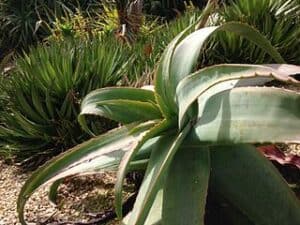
<point>79,199</point>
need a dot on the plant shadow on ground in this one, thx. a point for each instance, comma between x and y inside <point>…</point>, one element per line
<point>91,197</point>
<point>82,200</point>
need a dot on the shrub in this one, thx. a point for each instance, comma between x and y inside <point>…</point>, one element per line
<point>151,43</point>
<point>52,79</point>
<point>45,90</point>
<point>23,23</point>
<point>278,20</point>
<point>280,29</point>
<point>195,132</point>
<point>74,26</point>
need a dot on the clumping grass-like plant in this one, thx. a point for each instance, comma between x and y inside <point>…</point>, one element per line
<point>194,132</point>
<point>44,92</point>
<point>24,23</point>
<point>278,20</point>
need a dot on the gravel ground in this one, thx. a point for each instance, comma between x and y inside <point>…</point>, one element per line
<point>79,199</point>
<point>10,183</point>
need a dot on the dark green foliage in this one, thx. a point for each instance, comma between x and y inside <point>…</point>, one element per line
<point>48,83</point>
<point>45,90</point>
<point>23,23</point>
<point>148,49</point>
<point>164,8</point>
<point>186,152</point>
<point>278,20</point>
<point>170,9</point>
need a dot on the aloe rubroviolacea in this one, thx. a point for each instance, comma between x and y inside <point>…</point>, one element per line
<point>195,132</point>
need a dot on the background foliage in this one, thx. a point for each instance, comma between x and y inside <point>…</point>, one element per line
<point>63,69</point>
<point>25,22</point>
<point>278,20</point>
<point>45,90</point>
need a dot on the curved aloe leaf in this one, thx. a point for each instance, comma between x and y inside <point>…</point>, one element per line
<point>241,175</point>
<point>163,74</point>
<point>94,155</point>
<point>118,93</point>
<point>239,116</point>
<point>140,162</point>
<point>155,214</point>
<point>162,77</point>
<point>159,163</point>
<point>186,185</point>
<point>125,105</point>
<point>287,69</point>
<point>184,58</point>
<point>129,156</point>
<point>123,111</point>
<point>192,86</point>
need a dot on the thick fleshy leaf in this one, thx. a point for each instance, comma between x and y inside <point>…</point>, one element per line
<point>140,162</point>
<point>245,178</point>
<point>162,76</point>
<point>159,163</point>
<point>115,93</point>
<point>123,111</point>
<point>125,105</point>
<point>194,85</point>
<point>155,214</point>
<point>92,156</point>
<point>285,68</point>
<point>251,115</point>
<point>185,189</point>
<point>186,54</point>
<point>129,156</point>
<point>220,211</point>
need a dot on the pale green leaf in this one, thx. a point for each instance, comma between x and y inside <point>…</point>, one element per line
<point>155,214</point>
<point>186,54</point>
<point>118,93</point>
<point>92,156</point>
<point>162,76</point>
<point>123,111</point>
<point>198,83</point>
<point>251,115</point>
<point>129,156</point>
<point>122,104</point>
<point>186,185</point>
<point>245,178</point>
<point>157,169</point>
<point>140,162</point>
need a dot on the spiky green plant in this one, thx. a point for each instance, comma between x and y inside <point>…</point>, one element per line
<point>152,42</point>
<point>195,127</point>
<point>24,23</point>
<point>46,88</point>
<point>278,20</point>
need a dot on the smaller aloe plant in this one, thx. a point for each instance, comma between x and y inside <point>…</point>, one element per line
<point>278,20</point>
<point>195,132</point>
<point>44,92</point>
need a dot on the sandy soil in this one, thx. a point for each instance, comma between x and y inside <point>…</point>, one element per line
<point>79,199</point>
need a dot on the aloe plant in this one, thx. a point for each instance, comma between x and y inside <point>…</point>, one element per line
<point>194,132</point>
<point>278,20</point>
